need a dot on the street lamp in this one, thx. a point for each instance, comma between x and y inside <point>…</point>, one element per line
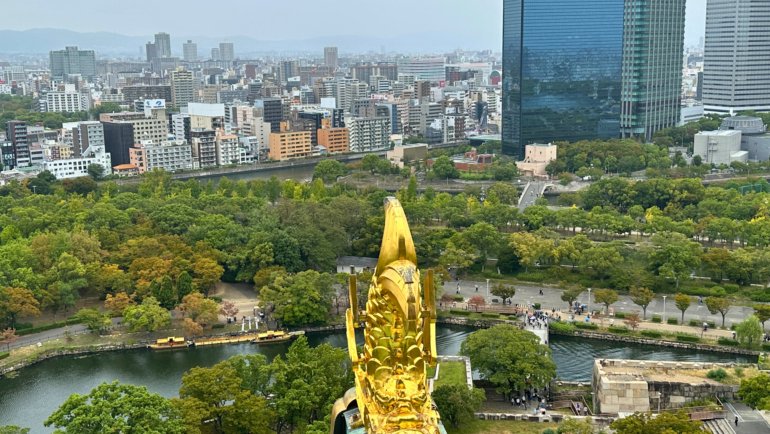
<point>664,308</point>
<point>487,288</point>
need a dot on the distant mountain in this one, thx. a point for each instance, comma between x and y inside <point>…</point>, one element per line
<point>41,41</point>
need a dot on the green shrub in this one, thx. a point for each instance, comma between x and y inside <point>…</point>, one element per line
<point>738,371</point>
<point>672,321</point>
<point>694,323</point>
<point>717,374</point>
<point>766,347</point>
<point>728,342</point>
<point>536,306</point>
<point>460,312</point>
<point>563,327</point>
<point>51,326</point>
<point>549,431</point>
<point>619,330</point>
<point>218,326</point>
<point>23,325</point>
<point>490,315</point>
<point>687,338</point>
<point>731,288</point>
<point>651,334</point>
<point>586,325</point>
<point>458,298</point>
<point>656,319</point>
<point>715,291</point>
<point>215,298</point>
<point>620,315</point>
<point>712,324</point>
<point>4,355</point>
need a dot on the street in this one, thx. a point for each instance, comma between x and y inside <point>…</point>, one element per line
<point>551,299</point>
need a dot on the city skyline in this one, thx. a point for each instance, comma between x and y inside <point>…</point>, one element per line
<point>426,24</point>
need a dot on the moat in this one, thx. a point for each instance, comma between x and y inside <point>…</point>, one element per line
<point>30,397</point>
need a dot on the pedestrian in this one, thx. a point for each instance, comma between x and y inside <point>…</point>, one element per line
<point>733,335</point>
<point>518,402</point>
<point>477,288</point>
<point>736,420</point>
<point>541,291</point>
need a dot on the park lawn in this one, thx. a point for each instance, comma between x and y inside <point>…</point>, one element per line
<point>450,373</point>
<point>500,427</point>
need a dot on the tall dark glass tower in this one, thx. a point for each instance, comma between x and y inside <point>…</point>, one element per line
<point>561,71</point>
<point>564,70</point>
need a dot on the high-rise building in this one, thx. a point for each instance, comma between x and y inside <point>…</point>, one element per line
<point>190,51</point>
<point>653,43</point>
<point>163,44</point>
<point>271,112</point>
<point>369,134</point>
<point>433,70</point>
<point>226,51</point>
<point>16,132</point>
<point>152,52</point>
<point>182,91</point>
<point>215,54</point>
<point>567,72</point>
<point>331,58</point>
<point>736,69</point>
<point>71,61</point>
<point>87,135</point>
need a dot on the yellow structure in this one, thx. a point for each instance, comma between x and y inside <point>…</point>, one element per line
<point>399,324</point>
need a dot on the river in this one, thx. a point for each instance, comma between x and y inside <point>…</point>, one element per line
<point>30,397</point>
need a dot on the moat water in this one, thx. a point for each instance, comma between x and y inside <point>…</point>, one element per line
<point>36,391</point>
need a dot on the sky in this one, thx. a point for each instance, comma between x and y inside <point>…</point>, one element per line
<point>470,22</point>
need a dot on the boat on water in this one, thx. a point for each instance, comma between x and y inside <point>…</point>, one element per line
<point>271,337</point>
<point>171,342</point>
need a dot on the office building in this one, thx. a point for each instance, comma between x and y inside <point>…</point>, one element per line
<point>334,140</point>
<point>226,51</point>
<point>118,139</point>
<point>653,42</point>
<point>190,51</point>
<point>204,147</point>
<point>16,132</point>
<point>87,135</point>
<point>567,73</point>
<point>66,101</point>
<point>148,126</point>
<point>215,54</point>
<point>182,90</point>
<point>433,70</point>
<point>369,134</point>
<point>331,59</point>
<point>151,51</point>
<point>736,68</point>
<point>272,112</point>
<point>72,61</point>
<point>754,137</point>
<point>719,147</point>
<point>144,92</point>
<point>163,45</point>
<point>285,145</point>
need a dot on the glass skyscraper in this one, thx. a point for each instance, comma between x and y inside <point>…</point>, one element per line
<point>561,71</point>
<point>563,68</point>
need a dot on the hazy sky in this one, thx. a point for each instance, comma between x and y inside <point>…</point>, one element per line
<point>476,21</point>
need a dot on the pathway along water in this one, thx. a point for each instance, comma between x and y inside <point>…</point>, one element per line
<point>29,398</point>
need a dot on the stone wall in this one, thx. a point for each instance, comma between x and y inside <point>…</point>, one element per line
<point>623,386</point>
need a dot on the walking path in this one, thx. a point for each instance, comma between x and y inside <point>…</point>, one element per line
<point>749,421</point>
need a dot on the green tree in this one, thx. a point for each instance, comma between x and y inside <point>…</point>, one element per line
<point>682,302</point>
<point>200,309</point>
<point>163,290</point>
<point>674,256</point>
<point>510,358</point>
<point>749,332</point>
<point>116,408</point>
<point>664,423</point>
<point>444,168</point>
<point>755,391</point>
<point>484,238</point>
<point>457,257</point>
<point>575,426</point>
<point>95,321</point>
<point>605,297</point>
<point>642,297</point>
<point>273,189</point>
<point>299,300</point>
<point>718,304</point>
<point>601,259</point>
<point>95,171</point>
<point>184,284</point>
<point>13,429</point>
<point>215,387</point>
<point>329,170</point>
<point>503,291</point>
<point>15,302</point>
<point>762,312</point>
<point>148,316</point>
<point>457,403</point>
<point>570,295</point>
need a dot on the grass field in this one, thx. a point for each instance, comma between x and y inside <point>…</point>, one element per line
<point>450,373</point>
<point>500,427</point>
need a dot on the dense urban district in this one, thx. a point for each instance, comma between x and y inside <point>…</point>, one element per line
<point>596,181</point>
